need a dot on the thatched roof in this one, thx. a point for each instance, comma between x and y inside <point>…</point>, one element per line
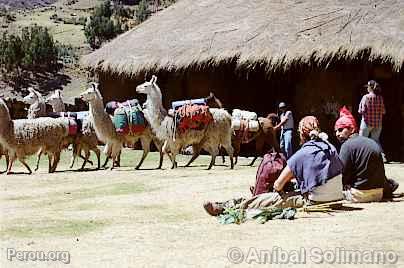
<point>276,32</point>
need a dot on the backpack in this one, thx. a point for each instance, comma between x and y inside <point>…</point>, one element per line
<point>129,118</point>
<point>268,171</point>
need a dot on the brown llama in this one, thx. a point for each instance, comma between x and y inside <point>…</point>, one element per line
<point>266,135</point>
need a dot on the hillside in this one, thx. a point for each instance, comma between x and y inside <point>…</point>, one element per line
<point>63,19</point>
<point>27,12</point>
<point>25,4</point>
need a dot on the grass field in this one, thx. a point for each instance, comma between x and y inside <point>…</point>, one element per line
<point>154,218</point>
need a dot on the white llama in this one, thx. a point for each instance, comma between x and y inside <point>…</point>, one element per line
<point>106,132</point>
<point>217,133</point>
<point>86,140</point>
<point>26,137</point>
<point>37,104</point>
<point>56,101</point>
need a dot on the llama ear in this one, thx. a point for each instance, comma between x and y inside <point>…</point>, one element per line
<point>95,86</point>
<point>58,93</point>
<point>154,79</point>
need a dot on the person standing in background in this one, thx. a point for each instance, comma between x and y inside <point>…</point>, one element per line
<point>286,125</point>
<point>372,110</point>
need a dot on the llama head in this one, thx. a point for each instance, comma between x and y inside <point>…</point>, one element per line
<point>33,96</point>
<point>148,86</point>
<point>55,98</point>
<point>91,93</point>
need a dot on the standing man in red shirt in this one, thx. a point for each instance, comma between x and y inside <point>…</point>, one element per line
<point>372,110</point>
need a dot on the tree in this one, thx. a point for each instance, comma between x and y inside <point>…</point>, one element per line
<point>11,53</point>
<point>101,27</point>
<point>142,12</point>
<point>35,48</point>
<point>39,47</point>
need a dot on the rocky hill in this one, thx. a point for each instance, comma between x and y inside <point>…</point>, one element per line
<point>25,4</point>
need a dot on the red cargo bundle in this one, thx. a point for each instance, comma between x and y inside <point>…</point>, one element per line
<point>193,116</point>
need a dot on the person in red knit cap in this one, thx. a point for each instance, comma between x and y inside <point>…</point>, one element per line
<point>363,175</point>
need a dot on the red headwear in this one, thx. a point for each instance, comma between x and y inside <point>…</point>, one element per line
<point>345,120</point>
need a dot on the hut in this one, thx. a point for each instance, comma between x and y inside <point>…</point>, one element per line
<point>314,54</point>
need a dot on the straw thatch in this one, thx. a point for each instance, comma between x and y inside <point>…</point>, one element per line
<point>276,32</point>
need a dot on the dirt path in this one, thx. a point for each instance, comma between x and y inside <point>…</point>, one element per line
<point>154,218</point>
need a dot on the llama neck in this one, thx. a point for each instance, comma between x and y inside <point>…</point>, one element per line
<point>58,107</point>
<point>154,111</point>
<point>6,125</point>
<point>36,110</point>
<point>96,107</point>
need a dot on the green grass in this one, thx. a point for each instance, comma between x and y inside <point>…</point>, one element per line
<point>50,227</point>
<point>68,34</point>
<point>73,195</point>
<point>129,158</point>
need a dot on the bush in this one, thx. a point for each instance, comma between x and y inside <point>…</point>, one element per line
<point>66,54</point>
<point>35,48</point>
<point>101,27</point>
<point>142,12</point>
<point>11,52</point>
<point>39,47</point>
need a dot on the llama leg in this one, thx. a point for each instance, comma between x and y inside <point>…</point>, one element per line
<point>146,149</point>
<point>212,161</point>
<point>107,152</point>
<point>115,153</point>
<point>196,151</point>
<point>174,153</point>
<point>50,156</point>
<point>106,161</point>
<point>259,146</point>
<point>214,151</point>
<point>87,155</point>
<point>10,164</point>
<point>84,158</point>
<point>118,159</point>
<point>160,149</point>
<point>253,161</point>
<point>7,161</point>
<point>97,153</point>
<point>229,150</point>
<point>56,158</point>
<point>26,166</point>
<point>38,159</point>
<point>76,148</point>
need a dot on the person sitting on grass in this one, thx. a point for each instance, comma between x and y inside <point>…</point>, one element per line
<point>363,176</point>
<point>316,168</point>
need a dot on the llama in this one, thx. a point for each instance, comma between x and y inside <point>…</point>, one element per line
<point>37,103</point>
<point>85,140</point>
<point>55,100</point>
<point>266,135</point>
<point>37,108</point>
<point>213,102</point>
<point>26,137</point>
<point>106,132</point>
<point>209,138</point>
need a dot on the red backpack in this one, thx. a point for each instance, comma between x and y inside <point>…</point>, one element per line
<point>268,171</point>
